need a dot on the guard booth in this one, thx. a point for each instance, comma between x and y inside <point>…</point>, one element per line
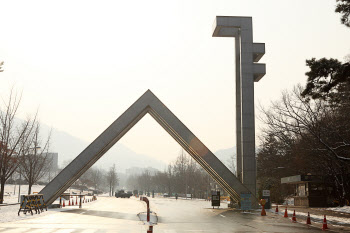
<point>215,198</point>
<point>311,190</point>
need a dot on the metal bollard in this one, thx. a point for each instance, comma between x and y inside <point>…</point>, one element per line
<point>145,199</point>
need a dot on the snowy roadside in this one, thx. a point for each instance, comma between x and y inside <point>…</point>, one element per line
<point>12,192</point>
<point>335,216</point>
<point>10,213</point>
<point>344,209</point>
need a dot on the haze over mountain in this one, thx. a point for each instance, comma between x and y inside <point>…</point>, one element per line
<point>68,147</point>
<point>227,156</point>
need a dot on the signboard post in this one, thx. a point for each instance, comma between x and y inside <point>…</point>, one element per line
<point>246,200</point>
<point>266,196</point>
<point>215,198</point>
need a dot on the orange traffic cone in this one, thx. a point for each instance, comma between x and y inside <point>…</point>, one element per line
<point>308,220</point>
<point>294,219</point>
<point>324,226</point>
<point>276,209</point>
<point>286,213</point>
<point>72,201</point>
<point>64,205</point>
<point>69,203</point>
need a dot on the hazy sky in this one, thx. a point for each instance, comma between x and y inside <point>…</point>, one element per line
<point>83,63</point>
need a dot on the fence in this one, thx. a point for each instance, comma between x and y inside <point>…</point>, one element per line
<point>32,202</point>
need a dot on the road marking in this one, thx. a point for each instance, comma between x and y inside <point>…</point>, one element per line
<point>16,230</point>
<point>222,216</point>
<point>82,212</point>
<point>90,231</point>
<point>36,230</point>
<point>198,230</point>
<point>65,230</point>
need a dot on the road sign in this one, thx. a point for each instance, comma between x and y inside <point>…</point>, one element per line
<point>266,196</point>
<point>246,201</point>
<point>266,193</point>
<point>215,199</point>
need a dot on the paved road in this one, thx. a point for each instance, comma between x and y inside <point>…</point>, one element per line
<point>107,214</point>
<point>187,216</point>
<point>174,216</point>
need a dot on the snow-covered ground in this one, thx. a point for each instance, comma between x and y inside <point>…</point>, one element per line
<point>9,213</point>
<point>318,217</point>
<point>344,209</point>
<point>11,192</point>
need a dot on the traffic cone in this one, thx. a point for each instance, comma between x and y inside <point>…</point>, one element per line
<point>324,226</point>
<point>64,205</point>
<point>286,213</point>
<point>294,219</point>
<point>69,203</point>
<point>276,209</point>
<point>308,220</point>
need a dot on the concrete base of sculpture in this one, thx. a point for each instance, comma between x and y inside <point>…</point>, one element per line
<point>147,103</point>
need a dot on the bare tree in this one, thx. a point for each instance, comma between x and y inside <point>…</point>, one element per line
<point>12,137</point>
<point>321,130</point>
<point>112,179</point>
<point>34,159</point>
<point>231,162</point>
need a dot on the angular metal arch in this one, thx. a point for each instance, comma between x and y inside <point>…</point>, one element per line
<point>147,103</point>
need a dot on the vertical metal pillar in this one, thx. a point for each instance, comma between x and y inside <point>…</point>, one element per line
<point>247,72</point>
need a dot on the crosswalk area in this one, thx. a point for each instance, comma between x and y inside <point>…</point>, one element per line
<point>68,230</point>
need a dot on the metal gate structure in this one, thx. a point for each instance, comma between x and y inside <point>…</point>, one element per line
<point>248,71</point>
<point>147,103</point>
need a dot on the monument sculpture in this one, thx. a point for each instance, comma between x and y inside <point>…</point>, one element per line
<point>247,72</point>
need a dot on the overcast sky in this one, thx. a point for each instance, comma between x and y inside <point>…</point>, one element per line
<point>83,63</point>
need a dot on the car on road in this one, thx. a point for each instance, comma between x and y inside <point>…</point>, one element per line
<point>123,194</point>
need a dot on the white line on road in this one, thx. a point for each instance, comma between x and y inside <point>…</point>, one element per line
<point>222,216</point>
<point>65,230</point>
<point>16,230</point>
<point>34,230</point>
<point>198,230</point>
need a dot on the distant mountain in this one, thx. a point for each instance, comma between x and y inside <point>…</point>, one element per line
<point>68,147</point>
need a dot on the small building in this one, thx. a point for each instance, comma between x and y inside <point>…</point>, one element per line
<point>311,190</point>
